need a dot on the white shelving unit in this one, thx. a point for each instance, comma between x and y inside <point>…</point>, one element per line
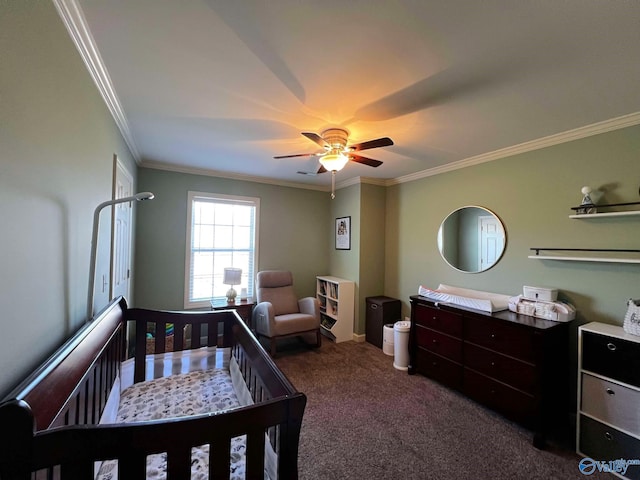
<point>608,418</point>
<point>336,296</point>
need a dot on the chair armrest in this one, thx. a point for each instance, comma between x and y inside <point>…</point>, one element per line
<point>310,306</point>
<point>262,318</point>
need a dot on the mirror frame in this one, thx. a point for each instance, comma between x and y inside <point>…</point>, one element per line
<point>457,210</point>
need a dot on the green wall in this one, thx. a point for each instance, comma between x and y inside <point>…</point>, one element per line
<point>363,263</point>
<point>292,235</point>
<point>58,141</point>
<point>372,236</point>
<point>532,194</point>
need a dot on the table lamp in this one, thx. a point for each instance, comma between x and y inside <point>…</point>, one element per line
<point>232,277</point>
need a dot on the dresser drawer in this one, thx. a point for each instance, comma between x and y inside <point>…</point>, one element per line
<point>439,343</point>
<point>513,372</point>
<point>513,403</point>
<point>439,368</point>
<point>604,443</point>
<point>611,403</point>
<point>440,320</point>
<point>611,357</point>
<point>502,337</point>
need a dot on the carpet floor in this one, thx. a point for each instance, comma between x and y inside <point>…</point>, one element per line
<point>367,420</point>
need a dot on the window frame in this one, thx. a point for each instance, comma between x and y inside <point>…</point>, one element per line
<point>193,196</point>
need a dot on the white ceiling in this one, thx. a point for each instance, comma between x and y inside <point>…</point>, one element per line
<point>223,86</point>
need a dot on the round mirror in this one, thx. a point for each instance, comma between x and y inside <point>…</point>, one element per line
<point>471,239</point>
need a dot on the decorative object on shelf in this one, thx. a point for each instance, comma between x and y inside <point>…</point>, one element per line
<point>587,206</point>
<point>632,318</point>
<point>232,276</point>
<point>343,233</point>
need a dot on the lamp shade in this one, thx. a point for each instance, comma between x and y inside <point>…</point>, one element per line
<point>232,276</point>
<point>334,162</point>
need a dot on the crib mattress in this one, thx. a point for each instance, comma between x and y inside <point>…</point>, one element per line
<point>180,395</point>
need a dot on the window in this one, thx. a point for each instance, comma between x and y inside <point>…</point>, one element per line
<point>222,231</point>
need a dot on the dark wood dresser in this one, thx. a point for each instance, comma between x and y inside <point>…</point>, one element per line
<point>514,364</point>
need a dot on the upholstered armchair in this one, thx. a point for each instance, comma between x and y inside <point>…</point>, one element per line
<point>279,313</point>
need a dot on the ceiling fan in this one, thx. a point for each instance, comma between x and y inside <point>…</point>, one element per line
<point>337,152</point>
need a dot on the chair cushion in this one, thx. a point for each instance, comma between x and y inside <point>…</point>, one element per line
<point>274,279</point>
<point>276,287</point>
<point>295,322</point>
<point>283,299</point>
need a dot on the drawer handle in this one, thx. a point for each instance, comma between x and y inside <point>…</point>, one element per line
<point>434,364</point>
<point>434,341</point>
<point>611,346</point>
<point>610,392</point>
<point>435,318</point>
<point>608,436</point>
<point>493,335</point>
<point>493,364</point>
<point>374,306</point>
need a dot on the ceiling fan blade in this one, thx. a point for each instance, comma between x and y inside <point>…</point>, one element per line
<point>364,160</point>
<point>320,170</point>
<point>378,142</point>
<point>314,137</point>
<point>296,155</point>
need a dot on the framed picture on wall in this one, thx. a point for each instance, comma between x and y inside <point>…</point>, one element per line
<point>343,233</point>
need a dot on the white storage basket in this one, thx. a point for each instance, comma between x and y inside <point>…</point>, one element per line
<point>632,318</point>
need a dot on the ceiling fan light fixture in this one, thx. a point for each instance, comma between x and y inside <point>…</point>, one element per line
<point>334,162</point>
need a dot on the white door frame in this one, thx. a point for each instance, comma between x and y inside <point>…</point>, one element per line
<point>120,172</point>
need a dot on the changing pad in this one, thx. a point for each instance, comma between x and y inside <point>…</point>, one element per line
<point>465,297</point>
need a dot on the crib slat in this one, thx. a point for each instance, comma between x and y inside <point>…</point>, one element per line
<point>179,461</point>
<point>220,459</point>
<point>77,470</point>
<point>255,454</point>
<point>195,335</point>
<point>132,467</point>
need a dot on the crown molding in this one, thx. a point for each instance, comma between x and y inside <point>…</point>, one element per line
<point>231,176</point>
<point>74,20</point>
<point>617,123</point>
<point>360,180</point>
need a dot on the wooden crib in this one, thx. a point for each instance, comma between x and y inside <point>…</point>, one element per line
<point>49,425</point>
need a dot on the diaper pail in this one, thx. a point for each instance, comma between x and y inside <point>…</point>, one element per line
<point>387,339</point>
<point>401,344</point>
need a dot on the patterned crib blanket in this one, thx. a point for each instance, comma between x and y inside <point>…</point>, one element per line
<point>180,395</point>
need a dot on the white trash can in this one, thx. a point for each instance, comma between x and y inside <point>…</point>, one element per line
<point>387,339</point>
<point>401,344</point>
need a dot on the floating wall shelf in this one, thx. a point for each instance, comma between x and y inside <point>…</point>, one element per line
<point>537,256</point>
<point>589,216</point>
<point>624,213</point>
